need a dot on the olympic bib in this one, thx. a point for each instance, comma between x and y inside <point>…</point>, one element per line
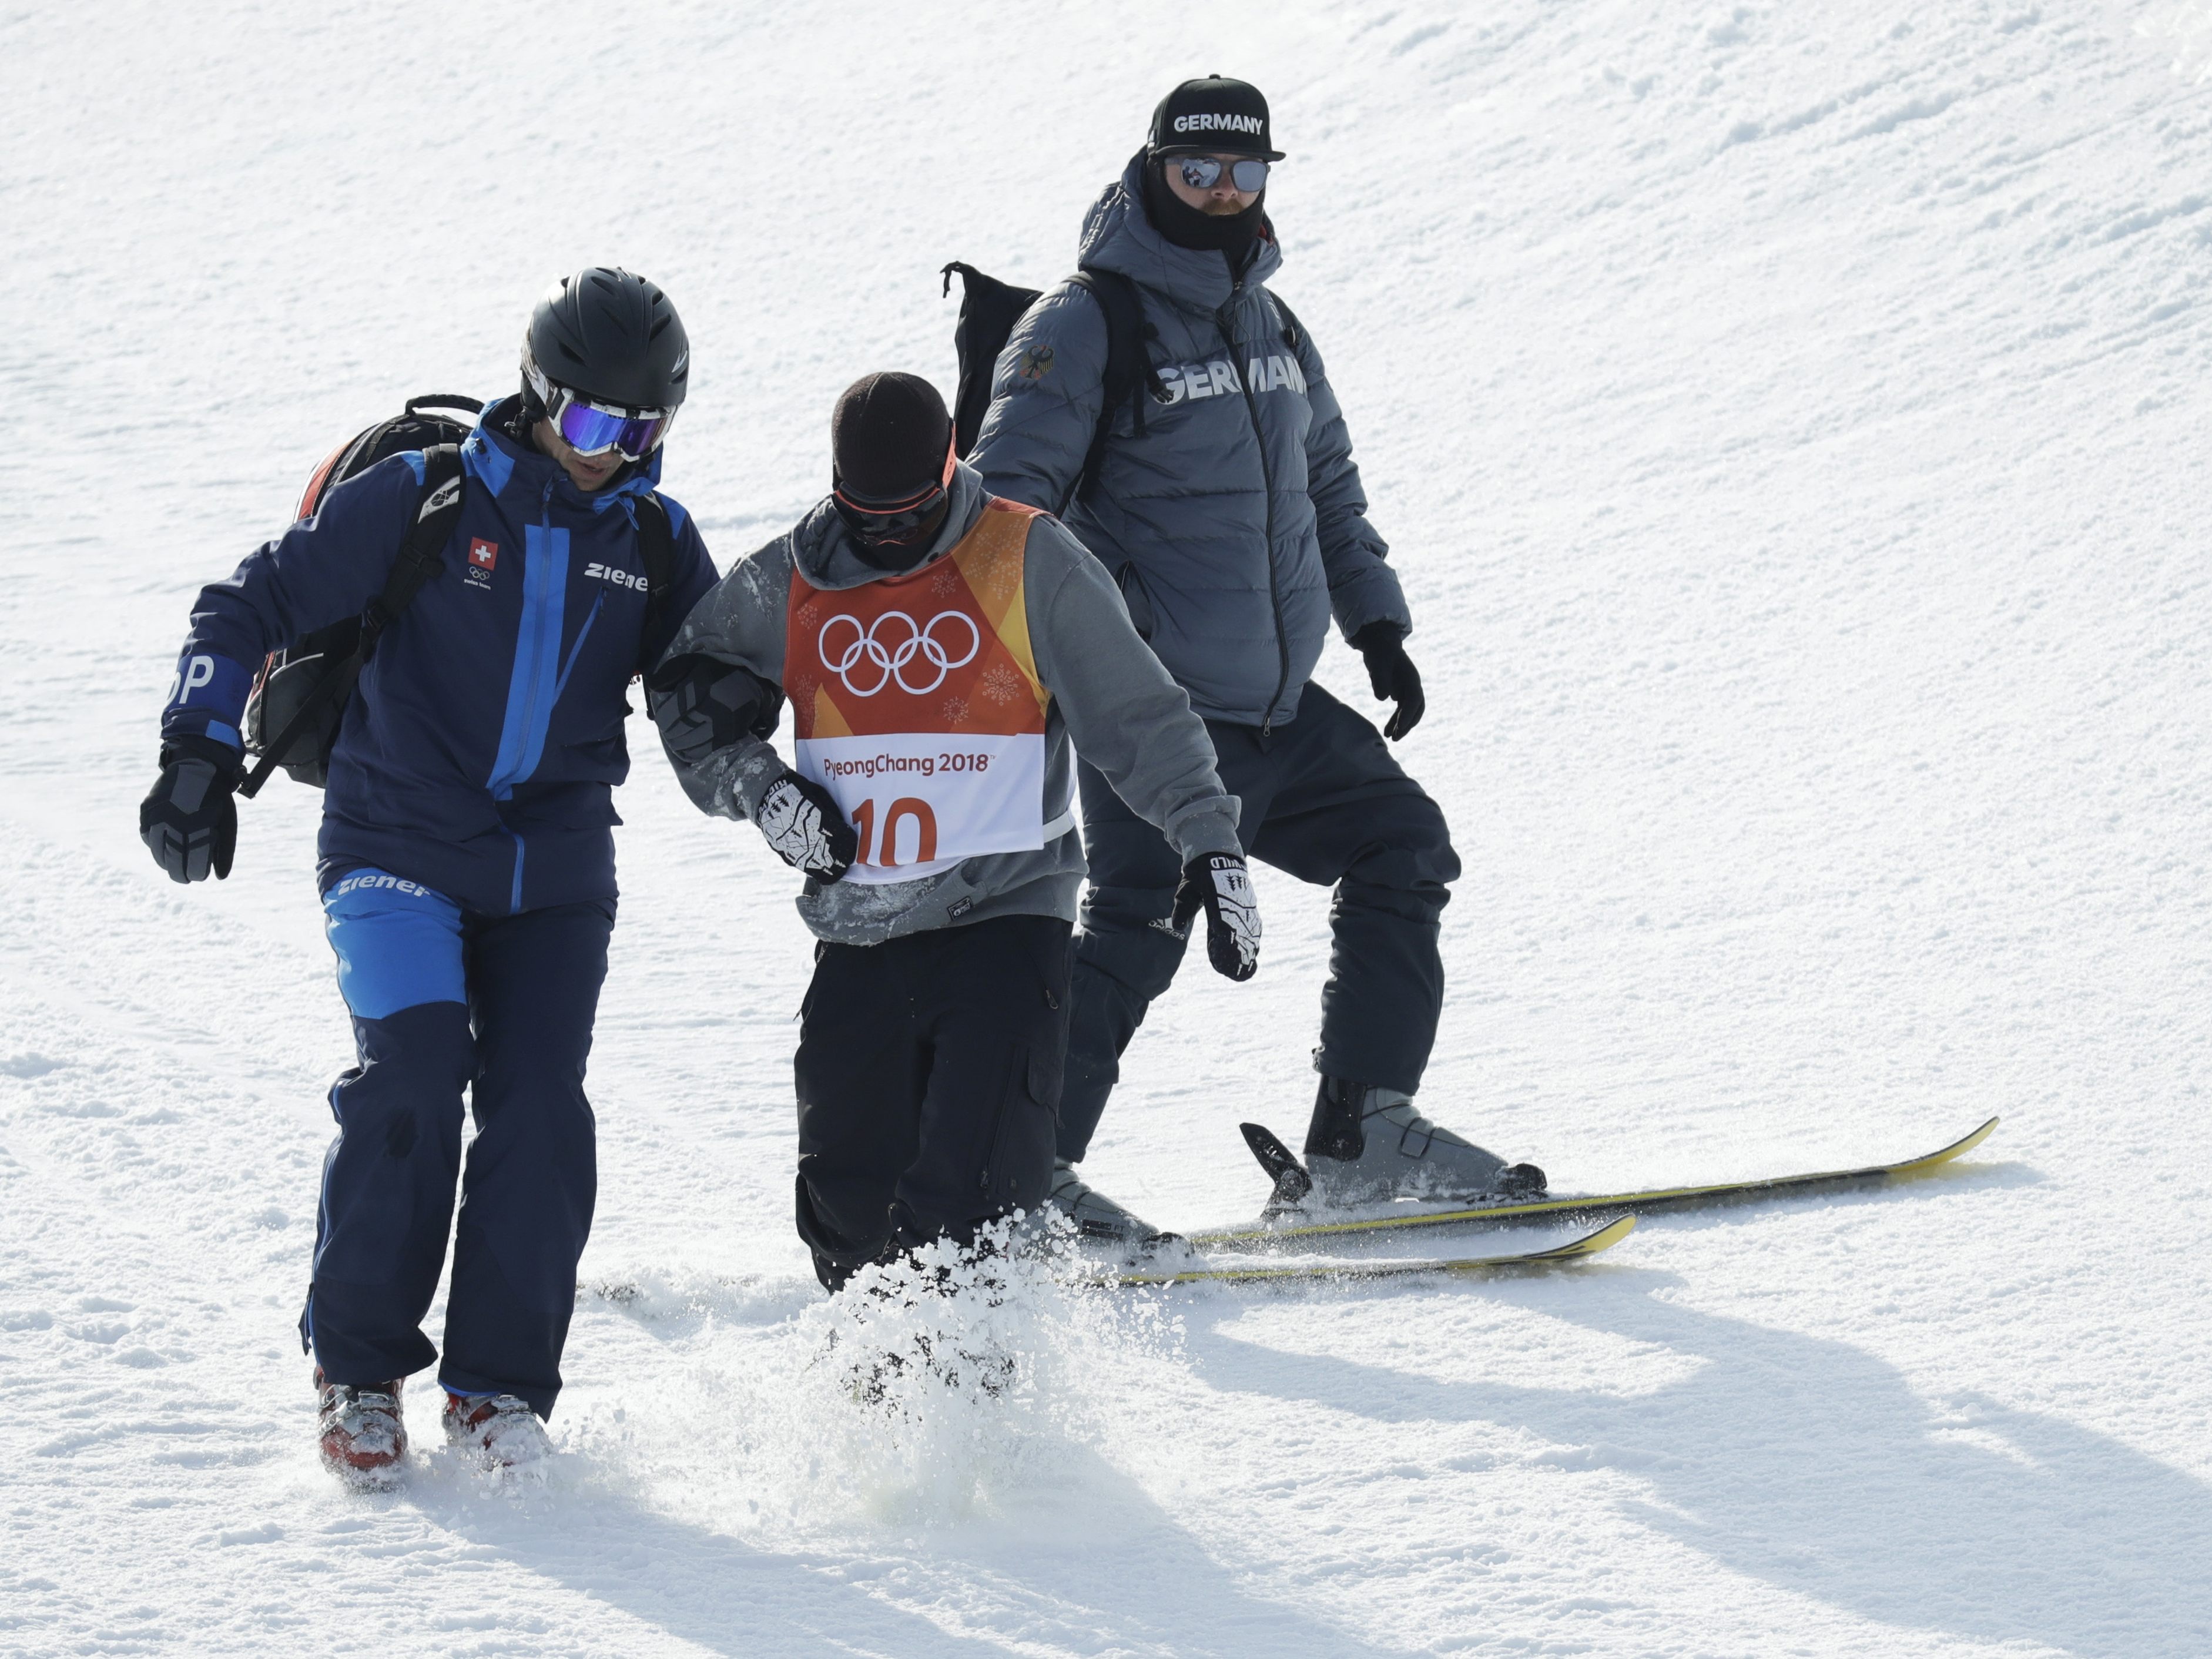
<point>917,705</point>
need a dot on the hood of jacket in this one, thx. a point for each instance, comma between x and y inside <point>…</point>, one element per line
<point>1118,234</point>
<point>821,542</point>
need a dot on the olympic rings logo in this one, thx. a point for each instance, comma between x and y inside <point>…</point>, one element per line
<point>891,661</point>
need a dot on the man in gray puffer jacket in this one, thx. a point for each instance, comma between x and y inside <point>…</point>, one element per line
<point>1224,501</point>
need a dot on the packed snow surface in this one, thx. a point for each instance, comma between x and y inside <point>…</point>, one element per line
<point>1789,422</point>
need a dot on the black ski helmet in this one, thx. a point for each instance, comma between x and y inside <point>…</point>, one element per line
<point>611,336</point>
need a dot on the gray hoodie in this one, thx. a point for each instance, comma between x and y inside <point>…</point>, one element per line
<point>1109,694</point>
<point>1236,523</point>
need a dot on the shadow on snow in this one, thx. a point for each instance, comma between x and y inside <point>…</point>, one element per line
<point>1815,1467</point>
<point>1106,1571</point>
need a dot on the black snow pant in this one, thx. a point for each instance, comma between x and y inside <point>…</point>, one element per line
<point>445,1001</point>
<point>928,1071</point>
<point>1323,801</point>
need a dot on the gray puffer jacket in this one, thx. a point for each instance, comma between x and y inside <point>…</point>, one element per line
<point>1110,695</point>
<point>1236,523</point>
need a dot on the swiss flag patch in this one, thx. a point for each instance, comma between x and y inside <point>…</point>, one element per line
<point>484,555</point>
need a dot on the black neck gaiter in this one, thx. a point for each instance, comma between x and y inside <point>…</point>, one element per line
<point>894,558</point>
<point>1186,226</point>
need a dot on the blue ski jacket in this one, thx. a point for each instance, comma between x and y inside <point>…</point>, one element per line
<point>478,753</point>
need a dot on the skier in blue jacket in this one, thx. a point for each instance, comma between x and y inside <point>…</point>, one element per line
<point>466,858</point>
<point>1226,504</point>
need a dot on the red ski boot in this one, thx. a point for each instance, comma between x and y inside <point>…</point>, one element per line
<point>364,1443</point>
<point>495,1431</point>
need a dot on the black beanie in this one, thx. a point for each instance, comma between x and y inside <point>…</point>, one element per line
<point>889,441</point>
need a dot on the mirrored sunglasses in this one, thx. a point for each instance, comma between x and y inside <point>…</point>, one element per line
<point>1248,174</point>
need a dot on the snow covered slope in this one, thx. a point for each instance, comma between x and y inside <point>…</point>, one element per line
<point>1789,422</point>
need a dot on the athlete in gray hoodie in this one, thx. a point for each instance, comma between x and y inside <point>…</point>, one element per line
<point>939,650</point>
<point>1226,502</point>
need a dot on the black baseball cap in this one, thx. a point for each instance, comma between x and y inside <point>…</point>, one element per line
<point>1215,114</point>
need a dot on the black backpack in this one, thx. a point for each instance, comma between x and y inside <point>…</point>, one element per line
<point>989,309</point>
<point>298,698</point>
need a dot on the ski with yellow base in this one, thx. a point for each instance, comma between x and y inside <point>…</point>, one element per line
<point>1293,1184</point>
<point>1603,1239</point>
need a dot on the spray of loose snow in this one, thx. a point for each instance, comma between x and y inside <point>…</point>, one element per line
<point>945,1388</point>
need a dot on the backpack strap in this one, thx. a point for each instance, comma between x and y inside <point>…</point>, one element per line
<point>656,549</point>
<point>435,514</point>
<point>470,407</point>
<point>1293,330</point>
<point>437,509</point>
<point>1130,378</point>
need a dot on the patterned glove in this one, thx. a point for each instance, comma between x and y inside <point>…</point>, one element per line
<point>805,829</point>
<point>1221,884</point>
<point>188,820</point>
<point>702,704</point>
<point>1392,673</point>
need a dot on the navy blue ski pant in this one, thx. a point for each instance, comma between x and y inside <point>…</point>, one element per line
<point>1323,801</point>
<point>445,1000</point>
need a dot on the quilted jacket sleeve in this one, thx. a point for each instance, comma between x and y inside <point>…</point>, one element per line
<point>1046,396</point>
<point>1362,587</point>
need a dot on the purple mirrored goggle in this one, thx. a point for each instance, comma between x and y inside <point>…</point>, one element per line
<point>591,428</point>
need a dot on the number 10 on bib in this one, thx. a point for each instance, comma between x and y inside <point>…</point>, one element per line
<point>918,705</point>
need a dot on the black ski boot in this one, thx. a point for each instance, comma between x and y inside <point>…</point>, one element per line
<point>1367,1145</point>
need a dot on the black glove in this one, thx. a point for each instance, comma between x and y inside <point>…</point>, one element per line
<point>188,820</point>
<point>805,828</point>
<point>1221,882</point>
<point>1392,673</point>
<point>702,704</point>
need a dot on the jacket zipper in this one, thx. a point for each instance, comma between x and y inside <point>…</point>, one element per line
<point>1267,485</point>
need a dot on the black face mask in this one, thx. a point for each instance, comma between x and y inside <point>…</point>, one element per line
<point>1188,227</point>
<point>895,541</point>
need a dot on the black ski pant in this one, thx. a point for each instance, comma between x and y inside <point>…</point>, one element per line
<point>1323,801</point>
<point>444,1000</point>
<point>928,1070</point>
